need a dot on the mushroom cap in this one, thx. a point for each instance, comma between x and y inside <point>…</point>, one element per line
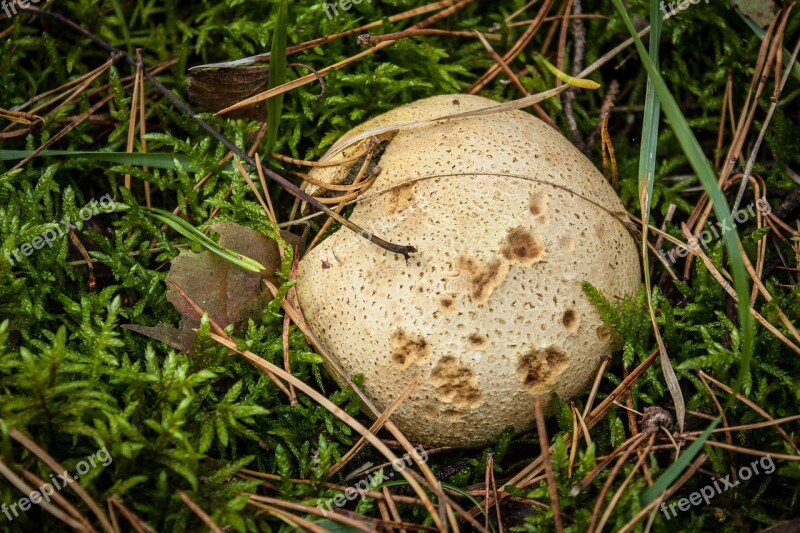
<point>508,218</point>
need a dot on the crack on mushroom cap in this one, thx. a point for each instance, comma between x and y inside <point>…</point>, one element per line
<point>539,367</point>
<point>455,384</point>
<point>407,351</point>
<point>483,279</point>
<point>523,246</point>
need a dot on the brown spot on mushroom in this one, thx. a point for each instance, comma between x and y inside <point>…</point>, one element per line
<point>571,320</point>
<point>538,204</point>
<point>454,384</point>
<point>537,368</point>
<point>523,246</point>
<point>406,351</point>
<point>477,342</point>
<point>399,198</point>
<point>483,279</point>
<point>446,303</point>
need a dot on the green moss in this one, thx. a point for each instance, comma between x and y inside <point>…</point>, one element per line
<point>74,381</point>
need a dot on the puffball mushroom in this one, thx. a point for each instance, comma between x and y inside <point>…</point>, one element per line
<point>508,218</point>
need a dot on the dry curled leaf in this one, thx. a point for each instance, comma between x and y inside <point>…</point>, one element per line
<point>227,292</point>
<point>761,11</point>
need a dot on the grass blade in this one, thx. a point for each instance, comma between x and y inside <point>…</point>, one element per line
<point>152,159</point>
<point>195,235</point>
<point>647,171</point>
<point>671,474</point>
<point>277,74</point>
<point>705,173</point>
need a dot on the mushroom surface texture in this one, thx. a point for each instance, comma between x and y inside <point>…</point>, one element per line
<point>508,218</point>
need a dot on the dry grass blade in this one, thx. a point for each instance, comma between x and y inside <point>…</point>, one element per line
<point>604,360</point>
<point>59,499</point>
<point>299,82</point>
<point>610,481</point>
<point>266,366</point>
<point>433,483</point>
<point>778,90</point>
<point>618,494</point>
<point>299,524</point>
<point>52,463</point>
<point>752,405</point>
<point>405,34</point>
<point>544,445</point>
<point>221,332</point>
<point>73,522</point>
<point>516,49</point>
<point>392,506</point>
<point>142,123</point>
<point>748,451</point>
<point>201,514</point>
<point>374,428</point>
<point>138,525</point>
<point>317,164</point>
<point>267,208</point>
<point>132,118</point>
<point>309,510</point>
<point>721,279</point>
<point>652,506</point>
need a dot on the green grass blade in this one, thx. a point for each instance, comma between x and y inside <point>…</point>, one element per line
<point>152,160</point>
<point>195,235</point>
<point>707,177</point>
<point>671,474</point>
<point>277,74</point>
<point>647,171</point>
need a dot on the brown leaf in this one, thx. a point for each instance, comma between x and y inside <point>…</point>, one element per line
<point>215,89</point>
<point>227,292</point>
<point>761,11</point>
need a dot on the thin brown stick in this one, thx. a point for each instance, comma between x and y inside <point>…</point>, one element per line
<point>201,514</point>
<point>53,464</point>
<point>265,366</point>
<point>54,510</point>
<point>374,428</point>
<point>544,445</point>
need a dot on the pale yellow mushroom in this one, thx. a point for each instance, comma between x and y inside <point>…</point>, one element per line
<point>508,218</point>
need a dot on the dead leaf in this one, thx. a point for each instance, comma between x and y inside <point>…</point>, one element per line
<point>227,292</point>
<point>761,11</point>
<point>215,89</point>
